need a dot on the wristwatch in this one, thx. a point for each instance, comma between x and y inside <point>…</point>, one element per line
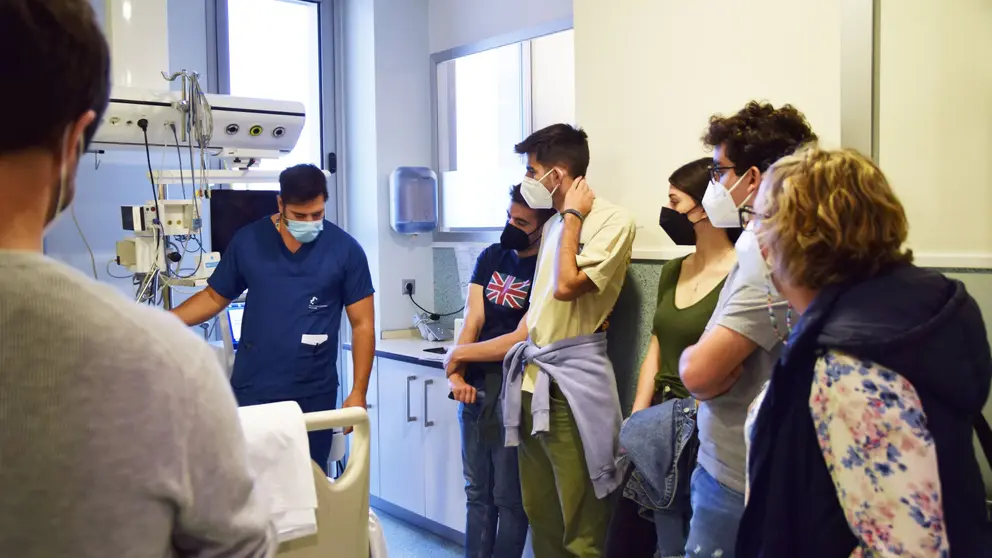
<point>573,212</point>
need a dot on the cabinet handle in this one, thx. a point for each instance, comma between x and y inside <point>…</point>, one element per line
<point>409,417</point>
<point>427,384</point>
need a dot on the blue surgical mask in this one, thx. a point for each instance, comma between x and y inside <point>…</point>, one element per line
<point>304,231</point>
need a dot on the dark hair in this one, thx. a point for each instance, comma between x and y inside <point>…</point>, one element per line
<point>558,144</point>
<point>302,184</point>
<point>759,135</point>
<point>542,214</point>
<point>692,178</point>
<point>55,67</point>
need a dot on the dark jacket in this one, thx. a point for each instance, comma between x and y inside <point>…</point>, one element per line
<point>915,322</point>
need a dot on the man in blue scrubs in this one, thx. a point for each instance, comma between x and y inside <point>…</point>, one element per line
<point>300,272</point>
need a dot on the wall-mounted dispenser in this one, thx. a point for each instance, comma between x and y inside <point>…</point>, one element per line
<point>413,200</point>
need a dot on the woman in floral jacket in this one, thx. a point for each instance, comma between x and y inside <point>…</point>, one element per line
<point>862,443</point>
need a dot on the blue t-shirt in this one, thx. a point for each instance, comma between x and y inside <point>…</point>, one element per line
<point>290,296</point>
<point>506,280</point>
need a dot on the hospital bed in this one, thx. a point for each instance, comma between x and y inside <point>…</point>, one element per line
<point>342,505</point>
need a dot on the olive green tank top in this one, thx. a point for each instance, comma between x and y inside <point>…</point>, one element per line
<point>677,329</point>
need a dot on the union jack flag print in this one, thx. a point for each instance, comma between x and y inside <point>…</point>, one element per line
<point>505,290</point>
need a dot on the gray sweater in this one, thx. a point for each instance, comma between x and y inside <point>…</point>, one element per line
<point>119,435</point>
<point>585,376</point>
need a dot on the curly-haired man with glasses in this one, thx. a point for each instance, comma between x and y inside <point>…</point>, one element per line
<point>725,370</point>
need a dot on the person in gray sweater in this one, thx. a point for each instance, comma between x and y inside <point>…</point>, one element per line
<point>119,435</point>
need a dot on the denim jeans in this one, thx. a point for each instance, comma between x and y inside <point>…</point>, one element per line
<point>496,525</point>
<point>716,515</point>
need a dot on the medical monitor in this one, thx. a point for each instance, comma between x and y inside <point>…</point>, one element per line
<point>232,209</point>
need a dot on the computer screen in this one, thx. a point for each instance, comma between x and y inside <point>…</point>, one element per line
<point>232,209</point>
<point>235,312</point>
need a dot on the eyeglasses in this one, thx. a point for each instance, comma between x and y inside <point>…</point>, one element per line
<point>747,214</point>
<point>716,173</point>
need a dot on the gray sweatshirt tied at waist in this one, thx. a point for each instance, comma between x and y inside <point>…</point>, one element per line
<point>585,376</point>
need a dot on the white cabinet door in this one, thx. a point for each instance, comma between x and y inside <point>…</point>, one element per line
<point>401,451</point>
<point>444,481</point>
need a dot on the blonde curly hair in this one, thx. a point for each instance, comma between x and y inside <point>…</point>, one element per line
<point>827,217</point>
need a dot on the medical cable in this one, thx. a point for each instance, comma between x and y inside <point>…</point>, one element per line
<point>179,263</point>
<point>192,171</point>
<point>148,280</point>
<point>182,183</point>
<point>179,153</point>
<point>72,211</point>
<point>434,316</point>
<point>113,261</point>
<point>143,124</point>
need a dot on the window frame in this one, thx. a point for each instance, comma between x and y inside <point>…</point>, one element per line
<point>220,72</point>
<point>444,234</point>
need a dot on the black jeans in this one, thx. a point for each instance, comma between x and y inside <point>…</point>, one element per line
<point>629,534</point>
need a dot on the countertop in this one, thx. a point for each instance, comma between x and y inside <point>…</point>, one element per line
<point>409,350</point>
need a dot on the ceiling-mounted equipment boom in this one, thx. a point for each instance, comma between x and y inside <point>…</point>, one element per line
<point>242,127</point>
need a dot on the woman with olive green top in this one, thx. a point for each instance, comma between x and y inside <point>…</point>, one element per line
<point>676,327</point>
<point>689,287</point>
<point>688,291</point>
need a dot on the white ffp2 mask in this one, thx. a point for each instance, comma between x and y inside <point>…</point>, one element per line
<point>752,262</point>
<point>535,194</point>
<point>720,207</point>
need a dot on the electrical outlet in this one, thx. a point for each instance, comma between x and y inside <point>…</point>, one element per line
<point>409,287</point>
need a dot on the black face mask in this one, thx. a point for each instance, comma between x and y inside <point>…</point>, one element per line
<point>514,238</point>
<point>677,226</point>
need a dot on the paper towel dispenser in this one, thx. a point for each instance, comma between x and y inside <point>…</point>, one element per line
<point>413,200</point>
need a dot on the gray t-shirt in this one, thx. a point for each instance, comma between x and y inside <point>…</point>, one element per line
<point>119,435</point>
<point>743,307</point>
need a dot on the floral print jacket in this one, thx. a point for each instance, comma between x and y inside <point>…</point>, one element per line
<point>873,434</point>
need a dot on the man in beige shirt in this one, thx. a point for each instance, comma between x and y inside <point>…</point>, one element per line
<point>582,262</point>
<point>581,267</point>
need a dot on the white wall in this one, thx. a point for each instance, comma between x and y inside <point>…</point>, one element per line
<point>935,124</point>
<point>358,176</point>
<point>552,74</point>
<point>456,23</point>
<point>387,124</point>
<point>650,73</point>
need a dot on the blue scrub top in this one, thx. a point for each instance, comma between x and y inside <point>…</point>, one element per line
<point>290,296</point>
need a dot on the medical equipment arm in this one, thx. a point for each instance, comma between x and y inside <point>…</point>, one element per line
<point>201,307</point>
<point>361,315</point>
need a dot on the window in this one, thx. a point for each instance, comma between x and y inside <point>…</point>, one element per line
<point>486,103</point>
<point>274,51</point>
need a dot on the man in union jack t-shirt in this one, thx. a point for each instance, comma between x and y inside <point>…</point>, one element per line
<point>498,299</point>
